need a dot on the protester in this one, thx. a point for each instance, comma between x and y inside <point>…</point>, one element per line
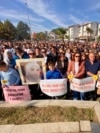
<point>31,54</point>
<point>38,53</point>
<point>77,69</point>
<point>92,69</point>
<point>8,75</point>
<point>44,54</point>
<point>68,54</point>
<point>60,54</point>
<point>20,54</point>
<point>53,73</point>
<point>62,64</point>
<point>8,58</point>
<point>52,56</point>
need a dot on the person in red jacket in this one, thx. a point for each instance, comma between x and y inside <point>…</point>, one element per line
<point>77,69</point>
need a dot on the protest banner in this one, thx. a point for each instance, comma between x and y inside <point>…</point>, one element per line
<point>98,87</point>
<point>14,94</point>
<point>83,85</point>
<point>31,70</point>
<point>54,87</point>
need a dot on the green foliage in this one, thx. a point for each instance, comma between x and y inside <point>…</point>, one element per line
<point>98,38</point>
<point>1,30</point>
<point>41,36</point>
<point>60,32</point>
<point>89,30</point>
<point>7,30</point>
<point>23,31</point>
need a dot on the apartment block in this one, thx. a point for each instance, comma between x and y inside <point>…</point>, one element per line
<point>73,32</point>
<point>83,29</point>
<point>80,31</point>
<point>99,29</point>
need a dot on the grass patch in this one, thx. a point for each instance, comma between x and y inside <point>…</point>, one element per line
<point>29,115</point>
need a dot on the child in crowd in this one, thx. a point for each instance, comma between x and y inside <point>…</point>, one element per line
<point>8,75</point>
<point>53,73</point>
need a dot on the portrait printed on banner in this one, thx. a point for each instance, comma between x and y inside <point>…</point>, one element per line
<point>31,70</point>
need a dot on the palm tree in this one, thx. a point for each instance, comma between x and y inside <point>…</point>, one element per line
<point>89,32</point>
<point>60,32</point>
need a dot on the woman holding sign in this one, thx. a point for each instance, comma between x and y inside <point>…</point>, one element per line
<point>76,69</point>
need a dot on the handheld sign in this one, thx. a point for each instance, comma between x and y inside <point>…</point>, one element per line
<point>54,87</point>
<point>83,85</point>
<point>98,87</point>
<point>15,94</point>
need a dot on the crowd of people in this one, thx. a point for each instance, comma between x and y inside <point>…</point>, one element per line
<point>81,59</point>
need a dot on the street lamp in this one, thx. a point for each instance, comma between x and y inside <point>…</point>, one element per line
<point>26,4</point>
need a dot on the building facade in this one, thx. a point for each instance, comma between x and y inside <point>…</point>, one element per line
<point>73,32</point>
<point>80,31</point>
<point>99,29</point>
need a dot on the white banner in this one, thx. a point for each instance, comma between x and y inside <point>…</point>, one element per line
<point>98,83</point>
<point>54,87</point>
<point>83,85</point>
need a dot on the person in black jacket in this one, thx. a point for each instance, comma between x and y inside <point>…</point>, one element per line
<point>53,55</point>
<point>62,64</point>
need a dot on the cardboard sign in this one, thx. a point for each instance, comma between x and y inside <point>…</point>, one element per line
<point>14,94</point>
<point>83,85</point>
<point>54,87</point>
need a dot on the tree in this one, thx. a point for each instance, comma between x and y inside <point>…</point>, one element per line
<point>60,32</point>
<point>1,30</point>
<point>67,37</point>
<point>41,36</point>
<point>90,32</point>
<point>23,31</point>
<point>98,38</point>
<point>7,30</point>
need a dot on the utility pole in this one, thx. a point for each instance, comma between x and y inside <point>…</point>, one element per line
<point>26,4</point>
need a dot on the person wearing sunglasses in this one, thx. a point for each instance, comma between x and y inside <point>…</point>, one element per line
<point>77,68</point>
<point>31,54</point>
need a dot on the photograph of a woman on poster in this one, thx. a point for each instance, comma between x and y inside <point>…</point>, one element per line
<point>33,72</point>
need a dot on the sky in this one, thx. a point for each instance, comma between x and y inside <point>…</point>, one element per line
<point>45,15</point>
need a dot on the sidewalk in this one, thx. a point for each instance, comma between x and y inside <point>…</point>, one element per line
<point>56,127</point>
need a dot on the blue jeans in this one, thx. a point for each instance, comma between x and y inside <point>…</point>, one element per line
<point>78,95</point>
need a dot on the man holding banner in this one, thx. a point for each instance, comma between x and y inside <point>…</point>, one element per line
<point>10,80</point>
<point>8,75</point>
<point>92,70</point>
